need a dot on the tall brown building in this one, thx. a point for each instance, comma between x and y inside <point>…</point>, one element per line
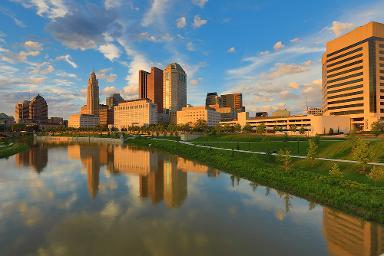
<point>93,95</point>
<point>151,86</point>
<point>22,111</point>
<point>38,110</point>
<point>233,100</point>
<point>353,76</point>
<point>114,100</point>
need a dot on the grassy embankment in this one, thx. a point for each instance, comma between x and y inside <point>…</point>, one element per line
<point>353,193</point>
<point>328,147</point>
<point>9,149</point>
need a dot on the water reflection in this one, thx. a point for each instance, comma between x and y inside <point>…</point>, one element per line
<point>59,215</point>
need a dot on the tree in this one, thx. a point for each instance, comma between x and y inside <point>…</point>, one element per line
<point>247,128</point>
<point>376,174</point>
<point>284,156</point>
<point>237,128</point>
<point>302,130</point>
<point>312,151</point>
<point>200,125</point>
<point>335,170</point>
<point>331,132</point>
<point>260,129</point>
<point>293,128</point>
<point>377,128</point>
<point>361,153</point>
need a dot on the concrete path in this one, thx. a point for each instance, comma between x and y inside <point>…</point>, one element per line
<point>264,153</point>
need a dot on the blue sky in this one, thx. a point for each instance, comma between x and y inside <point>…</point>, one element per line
<point>269,50</point>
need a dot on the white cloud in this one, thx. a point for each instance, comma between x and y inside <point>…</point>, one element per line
<point>106,75</point>
<point>198,21</point>
<point>110,51</point>
<point>181,22</point>
<point>231,50</point>
<point>295,40</point>
<point>67,58</point>
<point>155,13</point>
<point>190,47</point>
<point>109,90</point>
<point>294,85</point>
<point>339,28</point>
<point>278,45</point>
<point>50,8</point>
<point>42,68</point>
<point>112,4</point>
<point>33,45</point>
<point>200,3</point>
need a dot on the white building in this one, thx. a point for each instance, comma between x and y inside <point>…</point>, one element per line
<point>140,112</point>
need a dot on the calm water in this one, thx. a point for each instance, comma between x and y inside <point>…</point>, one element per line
<point>112,200</point>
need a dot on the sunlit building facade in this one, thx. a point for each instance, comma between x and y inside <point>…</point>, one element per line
<point>353,76</point>
<point>174,88</point>
<point>83,121</point>
<point>193,114</point>
<point>151,86</point>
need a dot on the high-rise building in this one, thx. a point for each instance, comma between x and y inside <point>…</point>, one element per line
<point>174,88</point>
<point>151,86</point>
<point>212,99</point>
<point>114,100</point>
<point>233,100</point>
<point>38,110</point>
<point>353,76</point>
<point>93,95</point>
<point>22,111</point>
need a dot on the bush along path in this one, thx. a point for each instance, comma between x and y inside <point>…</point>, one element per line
<point>357,196</point>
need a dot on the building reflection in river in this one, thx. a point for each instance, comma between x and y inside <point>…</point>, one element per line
<point>162,177</point>
<point>36,157</point>
<point>347,235</point>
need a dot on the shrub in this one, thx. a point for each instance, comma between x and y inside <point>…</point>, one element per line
<point>361,153</point>
<point>376,174</point>
<point>284,156</point>
<point>335,171</point>
<point>312,151</point>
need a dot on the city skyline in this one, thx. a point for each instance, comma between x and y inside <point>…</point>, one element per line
<point>211,42</point>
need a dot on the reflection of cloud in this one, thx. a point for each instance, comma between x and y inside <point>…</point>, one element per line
<point>111,210</point>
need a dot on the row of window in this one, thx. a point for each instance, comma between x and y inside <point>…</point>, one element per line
<point>350,112</point>
<point>347,106</point>
<point>346,89</point>
<point>345,71</point>
<point>345,54</point>
<point>345,66</point>
<point>344,95</point>
<point>345,83</point>
<point>346,100</point>
<point>345,77</point>
<point>345,60</point>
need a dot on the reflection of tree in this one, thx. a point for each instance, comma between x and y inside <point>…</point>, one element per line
<point>232,180</point>
<point>286,197</point>
<point>267,191</point>
<point>311,205</point>
<point>254,186</point>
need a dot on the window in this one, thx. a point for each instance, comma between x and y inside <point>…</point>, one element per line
<point>345,60</point>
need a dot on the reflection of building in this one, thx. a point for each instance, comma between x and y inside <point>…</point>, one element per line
<point>353,76</point>
<point>151,86</point>
<point>175,183</point>
<point>134,161</point>
<point>36,157</point>
<point>347,235</point>
<point>194,114</point>
<point>191,166</point>
<point>135,113</point>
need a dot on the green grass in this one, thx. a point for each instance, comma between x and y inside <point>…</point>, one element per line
<point>354,193</point>
<point>328,148</point>
<point>9,150</point>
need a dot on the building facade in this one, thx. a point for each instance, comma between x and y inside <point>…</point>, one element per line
<point>139,112</point>
<point>38,110</point>
<point>151,86</point>
<point>22,111</point>
<point>93,95</point>
<point>233,100</point>
<point>353,76</point>
<point>193,114</point>
<point>114,100</point>
<point>174,88</point>
<point>212,99</point>
<point>83,121</point>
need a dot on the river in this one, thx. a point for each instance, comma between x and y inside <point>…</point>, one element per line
<point>88,199</point>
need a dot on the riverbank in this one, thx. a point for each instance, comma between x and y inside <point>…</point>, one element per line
<point>11,149</point>
<point>78,139</point>
<point>353,193</point>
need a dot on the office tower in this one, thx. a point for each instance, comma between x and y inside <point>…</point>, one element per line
<point>93,95</point>
<point>22,111</point>
<point>151,86</point>
<point>174,88</point>
<point>114,100</point>
<point>212,99</point>
<point>353,76</point>
<point>38,110</point>
<point>233,100</point>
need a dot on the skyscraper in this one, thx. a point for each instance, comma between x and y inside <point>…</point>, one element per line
<point>151,86</point>
<point>93,95</point>
<point>233,100</point>
<point>114,100</point>
<point>22,111</point>
<point>353,76</point>
<point>38,110</point>
<point>212,99</point>
<point>174,88</point>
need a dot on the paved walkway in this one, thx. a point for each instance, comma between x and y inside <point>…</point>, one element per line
<point>264,153</point>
